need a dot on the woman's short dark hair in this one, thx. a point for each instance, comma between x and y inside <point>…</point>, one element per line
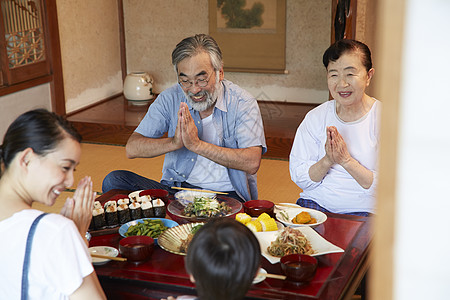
<point>37,129</point>
<point>335,51</point>
<point>224,257</point>
<point>194,45</point>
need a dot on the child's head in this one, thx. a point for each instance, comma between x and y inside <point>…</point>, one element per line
<point>223,257</point>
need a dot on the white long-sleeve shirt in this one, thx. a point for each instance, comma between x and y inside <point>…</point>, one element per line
<point>338,191</point>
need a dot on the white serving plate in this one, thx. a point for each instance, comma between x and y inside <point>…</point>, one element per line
<point>320,245</point>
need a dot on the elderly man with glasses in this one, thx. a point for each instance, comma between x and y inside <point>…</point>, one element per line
<point>215,136</point>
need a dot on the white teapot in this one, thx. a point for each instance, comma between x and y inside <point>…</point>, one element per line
<point>138,87</point>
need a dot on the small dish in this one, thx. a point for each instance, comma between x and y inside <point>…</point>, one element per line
<point>254,208</point>
<point>286,215</point>
<point>166,222</point>
<point>103,250</point>
<point>137,249</point>
<point>261,276</point>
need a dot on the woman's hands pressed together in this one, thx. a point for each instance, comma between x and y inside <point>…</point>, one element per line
<point>336,148</point>
<point>336,152</point>
<point>79,207</point>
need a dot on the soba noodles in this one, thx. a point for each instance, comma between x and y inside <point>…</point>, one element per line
<point>290,241</point>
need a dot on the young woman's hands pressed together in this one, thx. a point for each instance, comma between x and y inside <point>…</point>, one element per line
<point>79,207</point>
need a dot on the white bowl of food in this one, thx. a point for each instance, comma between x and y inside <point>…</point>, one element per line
<point>187,197</point>
<point>301,216</point>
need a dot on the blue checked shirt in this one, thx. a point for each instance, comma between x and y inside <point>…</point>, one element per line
<point>238,123</point>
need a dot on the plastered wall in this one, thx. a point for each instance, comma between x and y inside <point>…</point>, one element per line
<point>90,47</point>
<point>154,27</point>
<point>90,50</point>
<point>13,105</point>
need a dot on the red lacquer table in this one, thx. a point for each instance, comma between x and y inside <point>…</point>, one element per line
<point>337,277</point>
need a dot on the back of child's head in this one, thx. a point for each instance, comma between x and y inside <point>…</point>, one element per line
<point>223,257</point>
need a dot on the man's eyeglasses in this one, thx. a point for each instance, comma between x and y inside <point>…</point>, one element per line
<point>201,82</point>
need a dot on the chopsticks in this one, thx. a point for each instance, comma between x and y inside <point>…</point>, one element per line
<point>108,257</point>
<point>282,206</point>
<point>274,276</point>
<point>198,190</point>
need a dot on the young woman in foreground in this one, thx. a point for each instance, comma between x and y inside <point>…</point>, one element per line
<point>38,156</point>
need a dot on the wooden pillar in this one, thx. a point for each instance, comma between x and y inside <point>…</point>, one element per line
<point>343,20</point>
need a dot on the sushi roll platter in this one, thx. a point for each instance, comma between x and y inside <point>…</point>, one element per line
<point>123,209</point>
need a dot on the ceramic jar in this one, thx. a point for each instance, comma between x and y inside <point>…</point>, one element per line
<point>137,87</point>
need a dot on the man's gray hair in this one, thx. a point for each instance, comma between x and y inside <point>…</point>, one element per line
<point>194,45</point>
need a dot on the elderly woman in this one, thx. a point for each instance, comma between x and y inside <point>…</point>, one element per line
<point>334,155</point>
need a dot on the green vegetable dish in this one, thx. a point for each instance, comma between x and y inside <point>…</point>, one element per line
<point>152,228</point>
<point>207,208</point>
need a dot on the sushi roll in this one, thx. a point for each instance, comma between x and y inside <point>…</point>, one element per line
<point>98,215</point>
<point>134,196</point>
<point>97,204</point>
<point>112,219</point>
<point>147,209</point>
<point>123,212</point>
<point>123,201</point>
<point>145,198</point>
<point>135,210</point>
<point>159,208</point>
<point>91,225</point>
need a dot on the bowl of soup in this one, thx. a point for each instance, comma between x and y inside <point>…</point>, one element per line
<point>299,268</point>
<point>137,249</point>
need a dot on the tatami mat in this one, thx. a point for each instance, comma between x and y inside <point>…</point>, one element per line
<point>97,160</point>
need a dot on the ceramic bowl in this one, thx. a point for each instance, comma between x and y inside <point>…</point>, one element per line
<point>175,210</point>
<point>167,222</point>
<point>137,249</point>
<point>256,207</point>
<point>299,268</point>
<point>186,197</point>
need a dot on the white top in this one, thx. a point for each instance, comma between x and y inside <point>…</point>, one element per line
<point>338,191</point>
<point>59,257</point>
<point>206,173</point>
